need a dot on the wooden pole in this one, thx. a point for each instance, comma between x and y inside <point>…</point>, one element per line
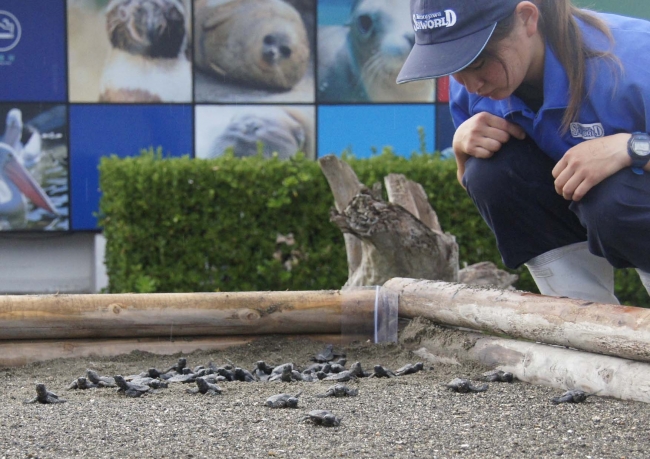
<point>539,363</point>
<point>169,315</point>
<point>18,353</point>
<point>622,331</point>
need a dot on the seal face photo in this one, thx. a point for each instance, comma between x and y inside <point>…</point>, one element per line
<point>360,60</point>
<point>262,44</point>
<point>249,130</point>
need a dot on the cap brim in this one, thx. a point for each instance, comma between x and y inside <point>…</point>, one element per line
<point>441,59</point>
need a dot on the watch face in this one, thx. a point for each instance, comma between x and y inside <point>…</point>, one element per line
<point>641,147</point>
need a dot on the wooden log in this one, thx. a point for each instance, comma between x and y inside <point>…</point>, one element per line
<point>412,197</point>
<point>622,331</point>
<point>170,315</point>
<point>401,238</point>
<point>398,243</point>
<point>345,185</point>
<point>536,363</point>
<point>18,353</point>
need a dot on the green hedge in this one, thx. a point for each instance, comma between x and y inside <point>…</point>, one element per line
<point>188,225</point>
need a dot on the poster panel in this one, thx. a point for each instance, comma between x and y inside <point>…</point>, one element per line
<point>130,51</point>
<point>248,129</point>
<point>98,130</point>
<point>363,130</point>
<point>34,191</point>
<point>250,51</point>
<point>362,46</point>
<point>32,51</point>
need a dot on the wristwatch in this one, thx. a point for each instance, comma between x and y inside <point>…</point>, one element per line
<point>638,147</point>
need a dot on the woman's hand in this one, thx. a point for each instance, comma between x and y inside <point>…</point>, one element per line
<point>589,163</point>
<point>481,136</point>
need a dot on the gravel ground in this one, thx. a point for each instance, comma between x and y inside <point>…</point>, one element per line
<point>407,416</point>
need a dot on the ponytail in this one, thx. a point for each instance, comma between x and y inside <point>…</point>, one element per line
<point>559,26</point>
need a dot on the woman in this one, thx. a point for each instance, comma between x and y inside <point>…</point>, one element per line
<point>552,109</point>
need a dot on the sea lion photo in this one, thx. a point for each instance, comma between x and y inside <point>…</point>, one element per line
<point>147,61</point>
<point>359,61</point>
<point>248,130</point>
<point>262,44</point>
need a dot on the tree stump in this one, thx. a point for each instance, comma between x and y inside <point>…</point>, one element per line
<point>398,238</point>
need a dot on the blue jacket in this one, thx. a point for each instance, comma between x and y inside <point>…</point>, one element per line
<point>618,97</point>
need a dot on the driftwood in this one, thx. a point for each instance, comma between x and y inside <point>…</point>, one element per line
<point>534,363</point>
<point>398,238</point>
<point>170,315</point>
<point>621,331</point>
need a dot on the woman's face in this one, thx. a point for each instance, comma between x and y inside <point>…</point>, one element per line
<point>498,78</point>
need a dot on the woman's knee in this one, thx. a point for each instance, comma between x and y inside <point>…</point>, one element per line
<point>517,169</point>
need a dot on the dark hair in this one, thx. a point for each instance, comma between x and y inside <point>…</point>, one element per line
<point>558,25</point>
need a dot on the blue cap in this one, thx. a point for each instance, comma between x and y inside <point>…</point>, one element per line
<point>450,34</point>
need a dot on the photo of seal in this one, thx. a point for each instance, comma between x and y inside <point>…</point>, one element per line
<point>256,44</point>
<point>247,130</point>
<point>147,61</point>
<point>360,61</point>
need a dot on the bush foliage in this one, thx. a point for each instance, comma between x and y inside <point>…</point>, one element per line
<point>190,225</point>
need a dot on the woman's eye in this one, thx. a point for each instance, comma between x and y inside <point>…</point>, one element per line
<point>477,64</point>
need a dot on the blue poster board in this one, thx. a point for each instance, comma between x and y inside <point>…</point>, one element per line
<point>33,51</point>
<point>122,130</point>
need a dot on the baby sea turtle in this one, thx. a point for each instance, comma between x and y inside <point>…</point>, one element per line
<point>323,418</point>
<point>130,389</point>
<point>100,381</point>
<point>262,370</point>
<point>327,355</point>
<point>339,390</point>
<point>78,383</point>
<point>572,396</point>
<point>205,387</point>
<point>83,384</point>
<point>178,367</point>
<point>357,371</point>
<point>45,396</point>
<point>497,376</point>
<point>285,376</point>
<point>409,369</point>
<point>343,376</point>
<point>381,372</point>
<point>465,385</point>
<point>244,375</point>
<point>283,401</point>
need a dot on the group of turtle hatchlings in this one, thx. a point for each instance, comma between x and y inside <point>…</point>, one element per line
<point>327,365</point>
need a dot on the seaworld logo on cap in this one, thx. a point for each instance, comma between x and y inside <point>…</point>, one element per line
<point>445,18</point>
<point>587,131</point>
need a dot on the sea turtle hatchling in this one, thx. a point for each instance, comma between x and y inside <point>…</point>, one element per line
<point>45,396</point>
<point>381,372</point>
<point>343,376</point>
<point>100,381</point>
<point>572,396</point>
<point>205,387</point>
<point>81,383</point>
<point>497,376</point>
<point>322,418</point>
<point>285,376</point>
<point>283,401</point>
<point>464,386</point>
<point>339,390</point>
<point>131,389</point>
<point>409,369</point>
